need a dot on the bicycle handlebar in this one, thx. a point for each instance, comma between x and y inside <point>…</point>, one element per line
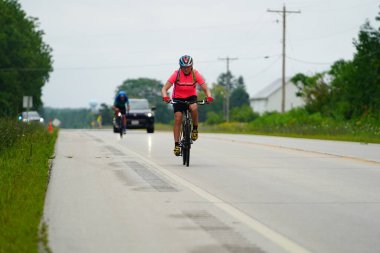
<point>199,102</point>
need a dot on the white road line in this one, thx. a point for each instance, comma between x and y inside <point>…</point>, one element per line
<point>280,240</point>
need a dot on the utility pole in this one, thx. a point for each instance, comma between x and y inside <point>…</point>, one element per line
<point>284,12</point>
<point>227,112</point>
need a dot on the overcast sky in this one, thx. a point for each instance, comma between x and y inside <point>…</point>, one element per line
<point>97,44</point>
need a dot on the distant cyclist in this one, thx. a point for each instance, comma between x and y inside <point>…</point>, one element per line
<point>185,80</point>
<point>121,105</point>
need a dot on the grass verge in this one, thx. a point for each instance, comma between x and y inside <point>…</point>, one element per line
<point>24,166</point>
<point>336,132</point>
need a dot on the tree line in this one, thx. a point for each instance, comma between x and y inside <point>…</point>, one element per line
<point>25,59</point>
<point>350,89</point>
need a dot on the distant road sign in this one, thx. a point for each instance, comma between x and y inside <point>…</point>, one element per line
<point>56,122</point>
<point>27,102</point>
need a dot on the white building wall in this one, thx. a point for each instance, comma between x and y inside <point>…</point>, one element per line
<point>291,100</point>
<point>274,101</point>
<point>259,105</point>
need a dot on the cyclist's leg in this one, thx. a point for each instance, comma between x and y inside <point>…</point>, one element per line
<point>176,132</point>
<point>177,125</point>
<point>124,122</point>
<point>194,116</point>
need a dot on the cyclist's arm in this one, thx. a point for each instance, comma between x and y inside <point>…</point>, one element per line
<point>127,106</point>
<point>206,90</point>
<point>164,90</point>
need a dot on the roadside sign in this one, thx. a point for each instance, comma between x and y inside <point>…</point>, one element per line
<point>27,102</point>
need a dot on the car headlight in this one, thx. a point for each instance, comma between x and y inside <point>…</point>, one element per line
<point>149,114</point>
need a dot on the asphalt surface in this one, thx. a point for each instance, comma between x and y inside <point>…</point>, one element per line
<point>240,194</point>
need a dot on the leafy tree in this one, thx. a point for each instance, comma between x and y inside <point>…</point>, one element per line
<point>25,59</point>
<point>243,114</point>
<point>107,114</point>
<point>214,118</point>
<point>217,92</point>
<point>228,77</point>
<point>239,82</point>
<point>314,90</point>
<point>240,104</point>
<point>355,84</point>
<point>342,74</point>
<point>366,82</point>
<point>142,88</point>
<point>350,89</point>
<point>151,90</point>
<point>238,94</point>
<point>239,97</point>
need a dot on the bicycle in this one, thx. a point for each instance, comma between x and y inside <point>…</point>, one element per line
<point>118,124</point>
<point>185,133</point>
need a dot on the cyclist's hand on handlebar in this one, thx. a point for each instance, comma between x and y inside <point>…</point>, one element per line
<point>209,99</point>
<point>166,99</point>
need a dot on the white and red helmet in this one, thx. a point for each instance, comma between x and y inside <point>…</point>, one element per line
<point>186,61</point>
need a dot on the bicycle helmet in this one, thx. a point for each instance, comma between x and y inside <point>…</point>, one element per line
<point>186,61</point>
<point>122,94</point>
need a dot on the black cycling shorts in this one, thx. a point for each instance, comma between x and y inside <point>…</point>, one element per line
<point>179,107</point>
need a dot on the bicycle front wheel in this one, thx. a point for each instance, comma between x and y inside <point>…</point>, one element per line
<point>121,130</point>
<point>187,151</point>
<point>186,144</point>
<point>184,155</point>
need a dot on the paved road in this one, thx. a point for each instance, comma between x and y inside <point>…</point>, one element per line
<point>240,194</point>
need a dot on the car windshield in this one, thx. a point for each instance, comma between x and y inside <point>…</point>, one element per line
<point>30,114</point>
<point>139,104</point>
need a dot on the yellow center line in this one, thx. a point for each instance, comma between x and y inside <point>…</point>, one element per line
<point>357,159</point>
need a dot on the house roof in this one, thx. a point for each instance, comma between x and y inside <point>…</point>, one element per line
<point>269,90</point>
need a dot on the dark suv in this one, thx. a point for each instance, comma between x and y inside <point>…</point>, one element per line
<point>140,115</point>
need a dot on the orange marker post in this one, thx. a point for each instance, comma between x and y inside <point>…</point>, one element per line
<point>50,127</point>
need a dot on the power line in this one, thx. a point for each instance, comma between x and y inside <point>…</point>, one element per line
<point>283,12</point>
<point>263,70</point>
<point>106,67</point>
<point>309,62</point>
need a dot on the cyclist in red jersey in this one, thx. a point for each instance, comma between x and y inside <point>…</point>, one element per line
<point>185,80</point>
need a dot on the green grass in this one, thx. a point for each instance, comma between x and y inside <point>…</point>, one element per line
<point>339,131</point>
<point>24,168</point>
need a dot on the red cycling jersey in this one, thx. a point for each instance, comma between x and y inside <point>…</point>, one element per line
<point>186,86</point>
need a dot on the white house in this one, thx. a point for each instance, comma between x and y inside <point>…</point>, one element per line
<point>270,98</point>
